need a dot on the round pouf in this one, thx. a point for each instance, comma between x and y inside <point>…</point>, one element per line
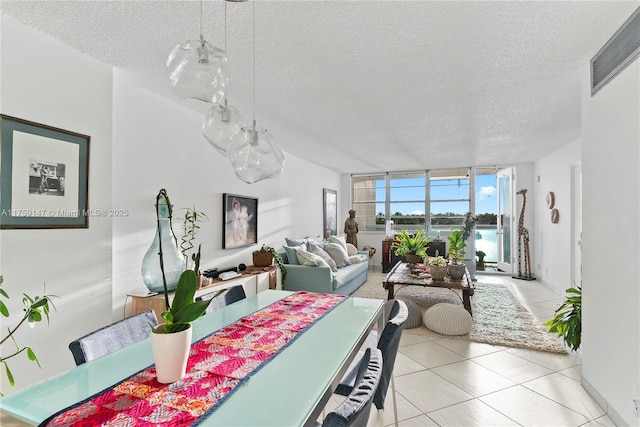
<point>448,319</point>
<point>414,318</point>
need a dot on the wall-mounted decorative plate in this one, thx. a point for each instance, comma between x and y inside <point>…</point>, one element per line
<point>555,216</point>
<point>551,199</point>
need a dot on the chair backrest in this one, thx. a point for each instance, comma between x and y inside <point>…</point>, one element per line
<point>231,295</point>
<point>388,344</point>
<point>354,410</point>
<point>113,337</point>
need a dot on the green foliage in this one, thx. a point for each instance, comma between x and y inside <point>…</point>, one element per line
<point>277,258</point>
<point>456,246</point>
<point>567,320</point>
<point>190,228</point>
<point>438,260</point>
<point>35,309</point>
<point>481,255</point>
<point>468,225</point>
<point>184,309</point>
<point>404,244</point>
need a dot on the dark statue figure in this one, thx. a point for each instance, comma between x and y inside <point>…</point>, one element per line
<point>351,228</point>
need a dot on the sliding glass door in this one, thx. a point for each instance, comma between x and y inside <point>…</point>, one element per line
<point>505,219</point>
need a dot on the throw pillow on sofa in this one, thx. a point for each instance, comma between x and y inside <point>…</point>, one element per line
<point>317,250</point>
<point>341,240</point>
<point>338,253</point>
<point>351,250</point>
<point>291,253</point>
<point>309,259</point>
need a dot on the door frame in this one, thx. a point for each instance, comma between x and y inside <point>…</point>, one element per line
<point>505,265</point>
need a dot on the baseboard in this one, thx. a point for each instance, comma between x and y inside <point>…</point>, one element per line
<point>602,402</point>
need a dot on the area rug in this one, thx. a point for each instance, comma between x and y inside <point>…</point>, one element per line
<point>498,317</point>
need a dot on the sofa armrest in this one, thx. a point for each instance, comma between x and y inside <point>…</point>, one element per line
<point>306,278</point>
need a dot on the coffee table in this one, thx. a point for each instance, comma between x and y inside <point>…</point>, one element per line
<point>401,275</point>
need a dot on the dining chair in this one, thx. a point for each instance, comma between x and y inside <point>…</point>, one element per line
<point>388,343</point>
<point>354,410</point>
<point>228,297</point>
<point>113,337</point>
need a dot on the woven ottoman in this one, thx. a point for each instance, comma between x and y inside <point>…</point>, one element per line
<point>448,319</point>
<point>414,318</point>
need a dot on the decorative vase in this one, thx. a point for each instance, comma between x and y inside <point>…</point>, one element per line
<point>438,272</point>
<point>457,271</point>
<point>172,259</point>
<point>170,354</point>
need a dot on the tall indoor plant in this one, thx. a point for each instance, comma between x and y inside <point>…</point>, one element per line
<point>456,254</point>
<point>567,320</point>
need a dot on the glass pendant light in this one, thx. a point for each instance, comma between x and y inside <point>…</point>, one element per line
<point>258,158</point>
<point>223,122</point>
<point>221,127</point>
<point>198,69</point>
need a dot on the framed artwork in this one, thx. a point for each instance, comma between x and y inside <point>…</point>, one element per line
<point>44,176</point>
<point>330,212</point>
<point>240,226</point>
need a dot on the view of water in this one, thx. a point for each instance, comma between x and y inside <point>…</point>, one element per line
<point>488,243</point>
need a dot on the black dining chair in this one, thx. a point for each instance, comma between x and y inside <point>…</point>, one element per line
<point>388,343</point>
<point>354,410</point>
<point>219,300</point>
<point>113,337</point>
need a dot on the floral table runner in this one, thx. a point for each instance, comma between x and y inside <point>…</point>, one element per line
<point>217,364</point>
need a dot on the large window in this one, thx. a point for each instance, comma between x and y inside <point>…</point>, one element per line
<point>406,197</point>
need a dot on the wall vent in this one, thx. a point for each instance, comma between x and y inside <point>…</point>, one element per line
<point>621,49</point>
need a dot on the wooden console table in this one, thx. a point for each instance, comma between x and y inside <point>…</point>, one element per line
<point>253,280</point>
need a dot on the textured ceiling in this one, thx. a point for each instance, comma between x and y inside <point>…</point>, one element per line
<point>368,86</point>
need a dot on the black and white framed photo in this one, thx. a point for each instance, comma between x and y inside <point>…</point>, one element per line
<point>240,226</point>
<point>329,212</point>
<point>44,176</point>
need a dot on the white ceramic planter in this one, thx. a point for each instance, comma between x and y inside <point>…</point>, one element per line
<point>170,354</point>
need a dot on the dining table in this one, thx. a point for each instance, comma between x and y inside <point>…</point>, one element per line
<point>290,389</point>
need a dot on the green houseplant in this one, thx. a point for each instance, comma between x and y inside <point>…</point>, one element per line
<point>480,262</point>
<point>438,268</point>
<point>34,311</point>
<point>567,320</point>
<point>190,227</point>
<point>456,254</point>
<point>413,248</point>
<point>265,256</point>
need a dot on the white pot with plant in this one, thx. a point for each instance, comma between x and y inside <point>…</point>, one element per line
<point>456,255</point>
<point>171,340</point>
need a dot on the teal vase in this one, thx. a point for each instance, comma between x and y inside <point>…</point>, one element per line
<point>172,259</point>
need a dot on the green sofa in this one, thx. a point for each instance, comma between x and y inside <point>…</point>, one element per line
<point>321,279</point>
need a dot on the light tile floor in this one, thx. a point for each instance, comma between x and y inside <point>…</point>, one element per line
<point>451,382</point>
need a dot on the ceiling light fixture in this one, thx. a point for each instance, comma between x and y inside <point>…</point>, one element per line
<point>223,122</point>
<point>258,158</point>
<point>198,69</point>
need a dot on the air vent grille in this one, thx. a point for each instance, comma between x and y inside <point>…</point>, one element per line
<point>617,53</point>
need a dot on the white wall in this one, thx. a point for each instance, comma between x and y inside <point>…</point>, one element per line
<point>553,241</point>
<point>611,244</point>
<point>140,143</point>
<point>60,87</point>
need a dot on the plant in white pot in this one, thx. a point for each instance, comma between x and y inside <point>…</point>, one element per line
<point>456,255</point>
<point>171,340</point>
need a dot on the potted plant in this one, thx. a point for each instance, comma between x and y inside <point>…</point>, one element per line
<point>34,308</point>
<point>265,256</point>
<point>190,228</point>
<point>456,255</point>
<point>567,320</point>
<point>480,262</point>
<point>468,227</point>
<point>413,249</point>
<point>438,268</point>
<point>171,340</point>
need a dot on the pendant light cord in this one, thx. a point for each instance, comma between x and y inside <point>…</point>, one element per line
<point>200,19</point>
<point>254,62</point>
